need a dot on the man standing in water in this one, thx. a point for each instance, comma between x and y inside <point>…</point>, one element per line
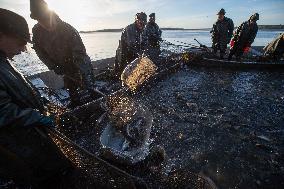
<point>60,47</point>
<point>153,35</point>
<point>27,154</point>
<point>222,32</point>
<point>244,37</point>
<point>132,43</point>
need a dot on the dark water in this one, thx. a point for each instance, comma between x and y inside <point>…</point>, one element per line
<point>227,125</point>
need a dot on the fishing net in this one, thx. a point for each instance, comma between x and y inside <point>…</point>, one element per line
<point>87,133</point>
<point>137,72</point>
<point>98,173</point>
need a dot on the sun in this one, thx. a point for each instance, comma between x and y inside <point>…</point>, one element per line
<point>68,10</point>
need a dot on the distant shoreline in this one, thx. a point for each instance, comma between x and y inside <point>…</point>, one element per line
<point>261,27</point>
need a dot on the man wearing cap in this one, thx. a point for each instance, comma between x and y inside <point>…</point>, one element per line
<point>222,32</point>
<point>27,153</point>
<point>132,43</point>
<point>244,37</point>
<point>60,47</point>
<point>153,35</point>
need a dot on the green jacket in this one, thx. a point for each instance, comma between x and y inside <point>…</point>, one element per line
<point>20,105</point>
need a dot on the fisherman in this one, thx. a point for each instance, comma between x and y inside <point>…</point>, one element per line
<point>244,37</point>
<point>222,32</point>
<point>27,154</point>
<point>132,43</point>
<point>60,47</point>
<point>153,35</point>
<point>275,49</point>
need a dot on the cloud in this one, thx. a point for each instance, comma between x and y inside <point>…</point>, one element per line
<point>99,14</point>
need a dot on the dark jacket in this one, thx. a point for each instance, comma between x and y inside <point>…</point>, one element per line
<point>132,43</point>
<point>222,32</point>
<point>20,105</point>
<point>153,34</point>
<point>245,34</point>
<point>63,51</point>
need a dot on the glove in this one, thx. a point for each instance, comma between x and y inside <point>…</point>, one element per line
<point>246,48</point>
<point>232,43</point>
<point>47,121</point>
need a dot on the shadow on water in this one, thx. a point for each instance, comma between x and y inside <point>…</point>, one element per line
<point>226,125</point>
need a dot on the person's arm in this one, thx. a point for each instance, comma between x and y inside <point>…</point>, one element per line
<point>129,38</point>
<point>231,30</point>
<point>238,32</point>
<point>160,33</point>
<point>43,56</point>
<point>213,33</point>
<point>253,35</point>
<point>82,60</point>
<point>12,114</point>
<point>123,46</point>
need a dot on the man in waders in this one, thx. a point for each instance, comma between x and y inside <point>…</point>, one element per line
<point>222,32</point>
<point>132,43</point>
<point>60,47</point>
<point>27,154</point>
<point>244,37</point>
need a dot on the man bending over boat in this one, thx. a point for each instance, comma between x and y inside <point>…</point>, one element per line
<point>27,153</point>
<point>60,48</point>
<point>244,37</point>
<point>222,32</point>
<point>132,43</point>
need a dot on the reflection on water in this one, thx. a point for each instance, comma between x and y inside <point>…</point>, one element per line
<point>101,45</point>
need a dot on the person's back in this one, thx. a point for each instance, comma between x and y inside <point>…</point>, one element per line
<point>60,47</point>
<point>55,48</point>
<point>247,32</point>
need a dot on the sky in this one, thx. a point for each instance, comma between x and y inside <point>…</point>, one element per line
<point>86,15</point>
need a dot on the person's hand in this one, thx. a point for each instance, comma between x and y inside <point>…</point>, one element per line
<point>246,48</point>
<point>48,121</point>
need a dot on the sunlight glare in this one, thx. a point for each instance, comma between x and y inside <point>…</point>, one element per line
<point>68,10</point>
